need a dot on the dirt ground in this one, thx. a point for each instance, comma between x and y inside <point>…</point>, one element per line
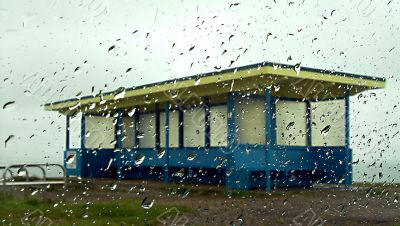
<point>216,205</point>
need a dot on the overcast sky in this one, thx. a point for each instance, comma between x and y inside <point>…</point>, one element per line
<point>43,42</point>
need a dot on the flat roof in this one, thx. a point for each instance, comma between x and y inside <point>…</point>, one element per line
<point>294,81</point>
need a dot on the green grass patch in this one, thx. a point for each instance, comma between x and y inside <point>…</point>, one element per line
<point>121,212</point>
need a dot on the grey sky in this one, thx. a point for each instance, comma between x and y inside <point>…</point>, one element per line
<point>50,39</point>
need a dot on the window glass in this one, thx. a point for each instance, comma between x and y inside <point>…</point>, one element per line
<point>147,130</point>
<point>218,126</point>
<point>75,131</point>
<point>194,127</point>
<point>128,132</point>
<point>100,132</point>
<point>328,123</point>
<point>291,123</point>
<point>250,119</point>
<point>173,129</point>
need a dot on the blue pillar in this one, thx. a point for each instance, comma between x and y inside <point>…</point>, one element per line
<point>230,166</point>
<point>231,121</point>
<point>67,138</point>
<point>308,120</point>
<point>67,132</point>
<point>137,128</point>
<point>83,157</point>
<point>236,177</point>
<point>269,138</point>
<point>349,153</point>
<point>181,136</point>
<point>118,143</point>
<point>157,145</point>
<point>166,167</point>
<point>273,121</point>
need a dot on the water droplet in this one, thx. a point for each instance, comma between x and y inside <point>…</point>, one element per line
<point>147,203</point>
<point>140,135</point>
<point>132,112</point>
<point>109,164</point>
<point>161,153</point>
<point>22,172</point>
<point>192,156</point>
<point>75,106</point>
<point>325,130</point>
<point>228,172</point>
<point>222,163</point>
<point>197,82</point>
<point>35,192</point>
<point>70,159</point>
<point>139,159</point>
<point>28,93</point>
<point>233,4</point>
<point>186,194</point>
<point>290,125</point>
<point>180,173</point>
<point>113,186</point>
<point>9,105</point>
<point>111,48</point>
<point>9,138</point>
<point>119,94</point>
<point>297,68</point>
<point>85,215</point>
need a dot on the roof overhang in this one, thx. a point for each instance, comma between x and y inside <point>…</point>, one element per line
<point>284,81</point>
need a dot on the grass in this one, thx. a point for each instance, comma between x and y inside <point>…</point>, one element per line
<point>121,212</point>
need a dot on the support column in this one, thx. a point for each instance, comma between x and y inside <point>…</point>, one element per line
<point>137,112</point>
<point>269,138</point>
<point>309,125</point>
<point>67,139</point>
<point>157,145</point>
<point>236,178</point>
<point>67,131</point>
<point>230,180</point>
<point>181,136</point>
<point>83,157</point>
<point>118,144</point>
<point>349,152</point>
<point>166,166</point>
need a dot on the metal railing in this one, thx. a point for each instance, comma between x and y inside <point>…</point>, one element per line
<point>24,167</point>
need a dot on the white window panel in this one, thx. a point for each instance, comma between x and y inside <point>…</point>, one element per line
<point>128,132</point>
<point>75,131</point>
<point>291,123</point>
<point>218,126</point>
<point>173,129</point>
<point>328,123</point>
<point>250,118</point>
<point>194,127</point>
<point>147,130</point>
<point>100,132</point>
